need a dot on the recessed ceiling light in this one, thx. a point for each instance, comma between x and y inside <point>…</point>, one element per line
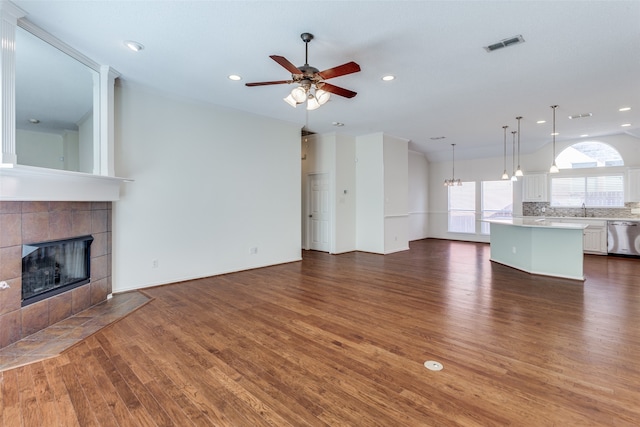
<point>338,124</point>
<point>584,135</point>
<point>133,45</point>
<point>234,77</point>
<point>555,133</point>
<point>388,78</point>
<point>626,125</point>
<point>34,121</point>
<point>541,122</point>
<point>624,109</point>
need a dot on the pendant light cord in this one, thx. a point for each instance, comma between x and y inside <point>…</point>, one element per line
<point>518,119</point>
<point>505,148</point>
<point>453,162</point>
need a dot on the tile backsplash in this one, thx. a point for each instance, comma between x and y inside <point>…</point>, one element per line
<point>537,208</point>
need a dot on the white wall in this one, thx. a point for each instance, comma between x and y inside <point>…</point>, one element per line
<point>396,194</point>
<point>370,193</point>
<point>71,141</point>
<point>418,196</point>
<point>540,161</point>
<point>491,169</point>
<point>209,185</point>
<point>85,144</point>
<point>345,190</point>
<point>40,149</point>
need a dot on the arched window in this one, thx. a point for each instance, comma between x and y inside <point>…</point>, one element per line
<point>589,154</point>
<point>592,189</point>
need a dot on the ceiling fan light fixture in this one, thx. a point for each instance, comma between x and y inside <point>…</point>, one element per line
<point>299,95</point>
<point>322,96</point>
<point>310,80</point>
<point>289,100</point>
<point>312,103</point>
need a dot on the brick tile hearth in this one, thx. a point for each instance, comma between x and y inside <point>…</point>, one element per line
<point>23,222</point>
<point>58,337</point>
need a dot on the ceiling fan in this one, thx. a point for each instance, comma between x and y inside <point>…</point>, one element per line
<point>309,77</point>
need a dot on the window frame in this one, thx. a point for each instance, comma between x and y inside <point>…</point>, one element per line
<point>484,227</point>
<point>474,211</point>
<point>585,173</point>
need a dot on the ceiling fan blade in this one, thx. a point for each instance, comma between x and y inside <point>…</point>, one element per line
<point>278,82</point>
<point>286,64</point>
<point>338,90</point>
<point>340,70</point>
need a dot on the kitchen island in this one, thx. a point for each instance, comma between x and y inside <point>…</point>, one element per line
<point>539,246</point>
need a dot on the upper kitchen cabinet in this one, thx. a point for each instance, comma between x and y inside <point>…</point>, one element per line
<point>534,188</point>
<point>633,189</point>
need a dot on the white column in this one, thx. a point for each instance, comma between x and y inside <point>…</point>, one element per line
<point>9,15</point>
<point>108,77</point>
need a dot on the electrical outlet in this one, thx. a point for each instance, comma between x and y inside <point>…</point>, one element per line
<point>513,249</point>
<point>253,250</point>
<point>154,263</point>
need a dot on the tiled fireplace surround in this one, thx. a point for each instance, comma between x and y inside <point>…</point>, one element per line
<point>31,222</point>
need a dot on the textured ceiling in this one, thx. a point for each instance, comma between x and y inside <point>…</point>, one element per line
<point>581,55</point>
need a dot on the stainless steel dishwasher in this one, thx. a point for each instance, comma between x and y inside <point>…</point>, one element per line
<point>623,238</point>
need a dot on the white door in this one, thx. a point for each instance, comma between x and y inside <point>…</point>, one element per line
<point>318,212</point>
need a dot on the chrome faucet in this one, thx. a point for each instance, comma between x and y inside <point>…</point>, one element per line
<point>584,211</point>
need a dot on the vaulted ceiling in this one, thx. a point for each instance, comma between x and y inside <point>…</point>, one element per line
<point>581,55</point>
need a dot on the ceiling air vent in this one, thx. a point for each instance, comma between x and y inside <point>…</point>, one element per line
<point>580,116</point>
<point>504,43</point>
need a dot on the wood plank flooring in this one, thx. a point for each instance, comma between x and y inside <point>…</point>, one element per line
<point>341,340</point>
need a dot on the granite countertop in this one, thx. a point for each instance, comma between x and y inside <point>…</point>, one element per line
<point>538,222</point>
<point>595,218</point>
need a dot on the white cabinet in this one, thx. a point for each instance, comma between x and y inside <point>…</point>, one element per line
<point>633,189</point>
<point>594,236</point>
<point>595,240</point>
<point>534,188</point>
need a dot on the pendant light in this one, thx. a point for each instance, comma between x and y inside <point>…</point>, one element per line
<point>513,156</point>
<point>519,171</point>
<point>554,167</point>
<point>505,175</point>
<point>453,181</point>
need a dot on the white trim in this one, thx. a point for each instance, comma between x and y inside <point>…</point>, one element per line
<point>9,15</point>
<point>27,25</point>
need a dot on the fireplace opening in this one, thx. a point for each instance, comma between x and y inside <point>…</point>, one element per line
<point>50,268</point>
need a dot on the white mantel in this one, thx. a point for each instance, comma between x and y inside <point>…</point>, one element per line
<point>28,183</point>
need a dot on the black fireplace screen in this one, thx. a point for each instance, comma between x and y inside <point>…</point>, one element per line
<point>50,268</point>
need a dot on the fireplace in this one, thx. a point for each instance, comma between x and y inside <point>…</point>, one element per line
<point>50,268</point>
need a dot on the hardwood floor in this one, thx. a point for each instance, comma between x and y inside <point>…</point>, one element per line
<point>341,340</point>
